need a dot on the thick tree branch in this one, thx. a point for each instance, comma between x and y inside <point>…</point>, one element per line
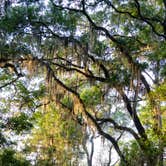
<point>63,66</point>
<point>140,17</point>
<point>154,19</point>
<point>119,45</point>
<point>68,62</point>
<point>122,48</point>
<point>133,114</point>
<point>90,117</point>
<point>146,20</point>
<point>58,36</point>
<point>116,126</point>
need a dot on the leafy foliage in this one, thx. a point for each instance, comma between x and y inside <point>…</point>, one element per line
<point>102,65</point>
<point>56,137</point>
<point>9,157</point>
<point>19,123</point>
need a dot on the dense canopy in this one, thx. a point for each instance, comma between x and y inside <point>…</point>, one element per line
<point>74,70</point>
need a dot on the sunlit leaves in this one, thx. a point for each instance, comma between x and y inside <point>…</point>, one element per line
<point>55,135</point>
<point>148,116</point>
<point>133,151</point>
<point>91,96</point>
<point>160,93</point>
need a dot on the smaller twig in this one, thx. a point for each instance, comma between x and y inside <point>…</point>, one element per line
<point>9,83</point>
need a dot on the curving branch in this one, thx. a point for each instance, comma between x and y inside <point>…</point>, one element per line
<point>5,63</point>
<point>155,19</point>
<point>90,117</point>
<point>9,83</point>
<point>121,47</point>
<point>139,17</point>
<point>119,127</point>
<point>133,114</point>
<point>164,23</point>
<point>90,76</point>
<point>110,148</point>
<point>146,20</point>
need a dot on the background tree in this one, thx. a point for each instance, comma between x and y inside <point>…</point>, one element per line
<point>56,138</point>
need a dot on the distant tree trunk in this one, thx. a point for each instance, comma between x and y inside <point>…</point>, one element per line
<point>109,157</point>
<point>89,154</point>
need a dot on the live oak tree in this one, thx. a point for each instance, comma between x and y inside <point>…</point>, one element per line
<point>106,57</point>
